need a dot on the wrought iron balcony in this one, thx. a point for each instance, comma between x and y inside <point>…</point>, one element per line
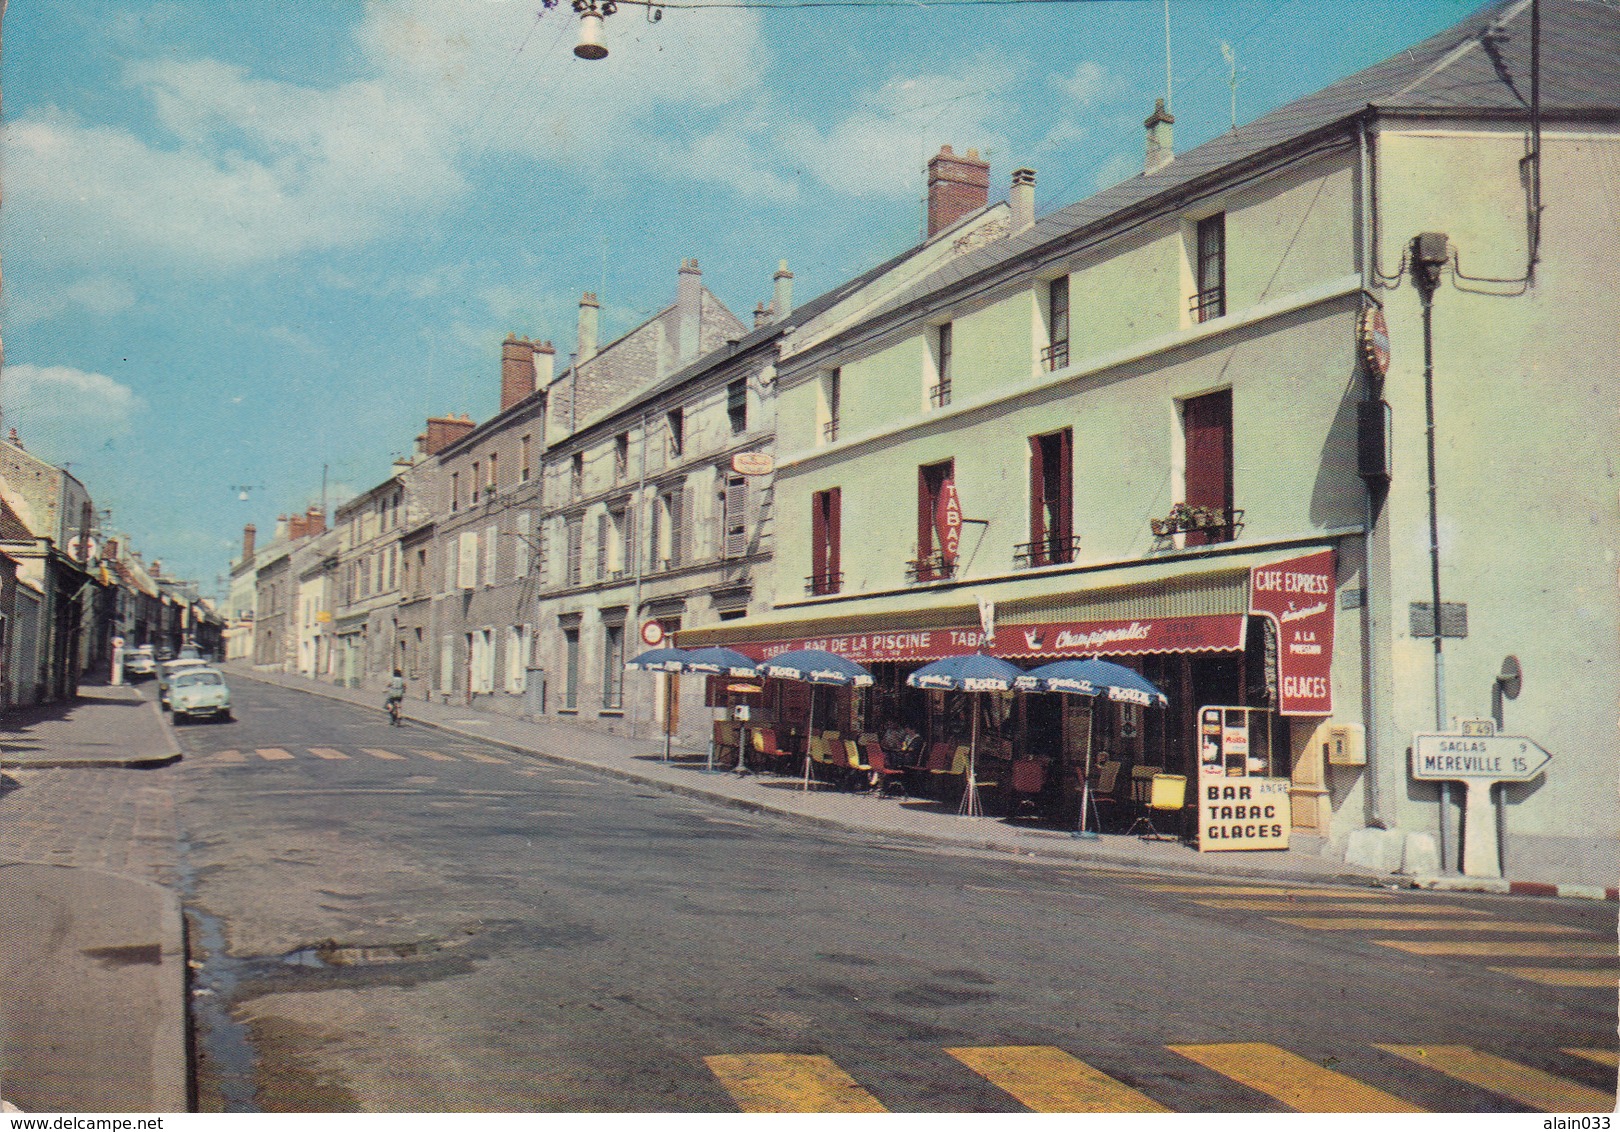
<point>829,431</point>
<point>940,395</point>
<point>1050,551</point>
<point>1055,356</point>
<point>819,585</point>
<point>1209,304</point>
<point>930,568</point>
<point>1221,524</point>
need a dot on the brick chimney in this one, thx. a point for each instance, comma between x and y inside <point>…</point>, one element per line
<point>156,569</point>
<point>688,311</point>
<point>249,534</point>
<point>1022,199</point>
<point>314,521</point>
<point>957,187</point>
<point>589,316</point>
<point>1160,148</point>
<point>297,527</point>
<point>517,370</point>
<point>443,432</point>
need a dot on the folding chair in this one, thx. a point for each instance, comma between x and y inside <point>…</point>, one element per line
<point>1168,796</point>
<point>887,775</point>
<point>765,745</point>
<point>1028,780</point>
<point>1105,791</point>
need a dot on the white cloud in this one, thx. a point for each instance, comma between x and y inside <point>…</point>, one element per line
<point>1089,84</point>
<point>99,295</point>
<point>66,412</point>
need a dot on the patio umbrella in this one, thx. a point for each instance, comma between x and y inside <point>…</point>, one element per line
<point>666,661</point>
<point>969,672</point>
<point>1092,678</point>
<point>815,666</point>
<point>717,661</point>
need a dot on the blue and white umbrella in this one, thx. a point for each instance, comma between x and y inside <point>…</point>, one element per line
<point>816,666</point>
<point>969,672</point>
<point>1093,678</point>
<point>658,660</point>
<point>718,661</point>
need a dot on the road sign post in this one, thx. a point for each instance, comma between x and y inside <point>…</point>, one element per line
<point>1478,761</point>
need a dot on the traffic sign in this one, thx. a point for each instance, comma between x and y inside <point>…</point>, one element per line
<point>1487,758</point>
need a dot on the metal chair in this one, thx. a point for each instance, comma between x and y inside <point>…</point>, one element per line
<point>1028,780</point>
<point>886,775</point>
<point>1168,796</point>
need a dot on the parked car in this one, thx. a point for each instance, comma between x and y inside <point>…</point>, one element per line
<point>197,693</point>
<point>141,662</point>
<point>167,671</point>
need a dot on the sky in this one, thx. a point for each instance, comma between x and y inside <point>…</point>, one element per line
<point>248,249</point>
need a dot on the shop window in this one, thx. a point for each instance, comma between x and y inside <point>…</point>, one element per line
<point>825,532</point>
<point>1207,428</point>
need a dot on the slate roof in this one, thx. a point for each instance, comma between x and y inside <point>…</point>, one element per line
<point>1459,69</point>
<point>12,528</point>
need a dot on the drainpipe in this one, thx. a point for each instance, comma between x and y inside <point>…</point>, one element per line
<point>635,547</point>
<point>1371,499</point>
<point>1429,256</point>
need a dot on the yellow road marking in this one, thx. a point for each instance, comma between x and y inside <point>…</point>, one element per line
<point>274,754</point>
<point>1601,1056</point>
<point>1302,1085</point>
<point>479,757</point>
<point>230,756</point>
<point>327,753</point>
<point>1368,923</point>
<point>378,753</point>
<point>1266,890</point>
<point>1531,1087</point>
<point>1505,948</point>
<point>1330,906</point>
<point>435,755</point>
<point>1046,1079</point>
<point>789,1082</point>
<point>1563,976</point>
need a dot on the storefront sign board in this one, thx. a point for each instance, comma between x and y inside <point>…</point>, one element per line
<point>1298,596</point>
<point>1242,813</point>
<point>949,521</point>
<point>1209,633</point>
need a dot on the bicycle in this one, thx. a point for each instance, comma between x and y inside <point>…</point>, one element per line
<point>393,707</point>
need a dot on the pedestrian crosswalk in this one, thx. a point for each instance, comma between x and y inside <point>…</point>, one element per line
<point>1047,1079</point>
<point>1536,950</point>
<point>235,757</point>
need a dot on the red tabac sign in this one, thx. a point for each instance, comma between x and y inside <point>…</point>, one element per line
<point>1138,637</point>
<point>1298,596</point>
<point>867,648</point>
<point>948,521</point>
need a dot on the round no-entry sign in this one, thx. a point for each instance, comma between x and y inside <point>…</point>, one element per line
<point>652,632</point>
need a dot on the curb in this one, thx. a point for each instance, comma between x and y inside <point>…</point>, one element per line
<point>132,762</point>
<point>1502,886</point>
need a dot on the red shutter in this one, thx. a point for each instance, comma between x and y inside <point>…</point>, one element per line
<point>1064,528</point>
<point>1037,502</point>
<point>835,521</point>
<point>927,501</point>
<point>818,542</point>
<point>1208,424</point>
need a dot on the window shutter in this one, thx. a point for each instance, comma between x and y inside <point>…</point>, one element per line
<point>680,521</point>
<point>1065,500</point>
<point>835,524</point>
<point>1037,501</point>
<point>467,567</point>
<point>818,540</point>
<point>601,545</point>
<point>492,543</point>
<point>736,533</point>
<point>521,546</point>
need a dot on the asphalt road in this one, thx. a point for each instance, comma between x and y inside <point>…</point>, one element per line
<point>393,919</point>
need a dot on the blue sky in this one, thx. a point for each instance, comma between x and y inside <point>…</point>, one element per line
<point>245,242</point>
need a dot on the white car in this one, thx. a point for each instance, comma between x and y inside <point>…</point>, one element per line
<point>197,693</point>
<point>140,663</point>
<point>167,671</point>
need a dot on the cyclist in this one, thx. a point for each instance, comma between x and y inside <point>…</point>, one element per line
<point>396,694</point>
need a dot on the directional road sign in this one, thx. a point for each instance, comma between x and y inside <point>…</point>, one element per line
<point>1489,758</point>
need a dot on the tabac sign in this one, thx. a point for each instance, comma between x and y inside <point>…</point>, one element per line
<point>1298,597</point>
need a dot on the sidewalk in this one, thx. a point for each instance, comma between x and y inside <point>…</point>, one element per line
<point>92,998</point>
<point>641,761</point>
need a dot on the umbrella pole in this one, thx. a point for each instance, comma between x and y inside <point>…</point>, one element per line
<point>1083,832</point>
<point>970,797</point>
<point>669,711</point>
<point>809,737</point>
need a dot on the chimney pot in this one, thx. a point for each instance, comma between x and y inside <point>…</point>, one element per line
<point>1160,138</point>
<point>688,312</point>
<point>782,300</point>
<point>1022,199</point>
<point>589,318</point>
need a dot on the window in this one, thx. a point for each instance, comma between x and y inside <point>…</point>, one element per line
<point>733,502</point>
<point>935,485</point>
<point>676,419</point>
<point>477,483</point>
<point>825,523</point>
<point>1210,277</point>
<point>832,394</point>
<point>522,545</point>
<point>467,563</point>
<point>525,458</point>
<point>492,542</point>
<point>574,534</point>
<point>576,475</point>
<point>1056,354</point>
<point>668,528</point>
<point>939,394</point>
<point>482,661</point>
<point>571,669</point>
<point>517,657</point>
<point>455,490</point>
<point>1207,426</point>
<point>1051,506</point>
<point>613,666</point>
<point>621,456</point>
<point>615,551</point>
<point>494,477</point>
<point>737,405</point>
